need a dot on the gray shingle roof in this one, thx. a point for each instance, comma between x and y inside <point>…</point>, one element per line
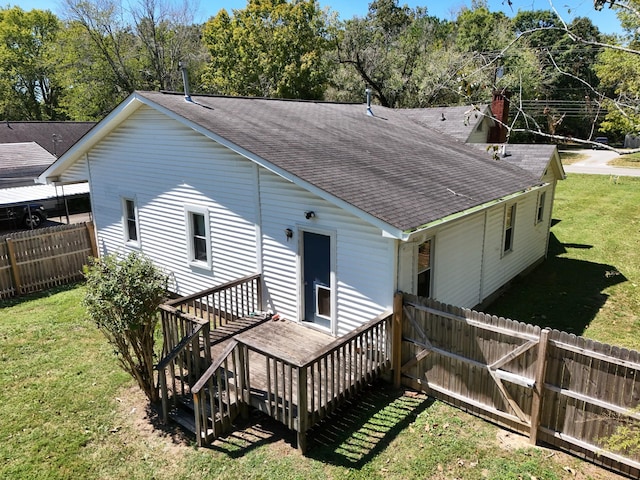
<point>387,165</point>
<point>459,122</point>
<point>533,158</point>
<point>21,163</point>
<point>55,137</point>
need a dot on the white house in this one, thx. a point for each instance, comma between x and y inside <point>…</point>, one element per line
<point>335,207</point>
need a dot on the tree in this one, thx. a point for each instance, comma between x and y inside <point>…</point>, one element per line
<point>385,51</point>
<point>272,48</point>
<point>168,37</point>
<point>90,87</point>
<point>596,67</point>
<point>122,299</point>
<point>29,87</point>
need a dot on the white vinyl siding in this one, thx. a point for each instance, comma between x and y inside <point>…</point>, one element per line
<point>364,259</point>
<point>468,264</point>
<point>529,244</point>
<point>457,262</point>
<point>78,172</point>
<point>170,166</point>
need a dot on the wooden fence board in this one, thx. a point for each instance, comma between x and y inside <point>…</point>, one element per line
<point>487,365</point>
<point>40,259</point>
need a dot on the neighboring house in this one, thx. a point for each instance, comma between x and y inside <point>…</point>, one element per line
<point>469,124</point>
<point>55,137</point>
<point>337,209</point>
<point>26,150</point>
<point>21,163</point>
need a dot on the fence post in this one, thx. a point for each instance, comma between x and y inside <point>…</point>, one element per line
<point>538,388</point>
<point>396,343</point>
<point>15,273</point>
<point>92,239</point>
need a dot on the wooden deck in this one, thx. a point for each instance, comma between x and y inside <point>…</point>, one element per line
<point>220,358</point>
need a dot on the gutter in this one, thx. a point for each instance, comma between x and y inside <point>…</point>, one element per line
<point>409,234</point>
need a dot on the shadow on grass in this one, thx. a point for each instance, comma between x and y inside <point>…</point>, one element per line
<point>10,302</point>
<point>362,429</point>
<point>351,437</point>
<point>561,293</point>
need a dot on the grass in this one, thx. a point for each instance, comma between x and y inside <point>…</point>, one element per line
<point>590,283</point>
<point>69,412</point>
<point>568,158</point>
<point>630,160</point>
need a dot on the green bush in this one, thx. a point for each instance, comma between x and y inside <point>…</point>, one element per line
<point>123,295</point>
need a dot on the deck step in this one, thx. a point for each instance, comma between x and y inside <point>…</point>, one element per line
<point>185,418</point>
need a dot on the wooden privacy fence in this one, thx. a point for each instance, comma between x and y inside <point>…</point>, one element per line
<point>36,260</point>
<point>565,390</point>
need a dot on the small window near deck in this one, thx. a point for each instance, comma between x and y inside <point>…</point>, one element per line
<point>198,236</point>
<point>509,220</point>
<point>424,269</point>
<point>540,213</point>
<point>130,221</point>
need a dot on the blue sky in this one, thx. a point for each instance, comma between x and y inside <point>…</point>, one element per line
<point>605,20</point>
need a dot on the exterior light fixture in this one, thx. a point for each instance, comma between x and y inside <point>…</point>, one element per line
<point>288,233</point>
<point>309,214</point>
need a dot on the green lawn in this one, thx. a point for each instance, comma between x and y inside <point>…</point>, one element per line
<point>68,411</point>
<point>568,158</point>
<point>590,283</point>
<point>630,160</point>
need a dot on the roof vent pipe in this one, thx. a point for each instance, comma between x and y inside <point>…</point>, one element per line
<point>185,81</point>
<point>369,111</point>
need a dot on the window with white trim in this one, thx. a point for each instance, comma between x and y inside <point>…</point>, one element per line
<point>130,220</point>
<point>509,222</point>
<point>540,211</point>
<point>198,236</point>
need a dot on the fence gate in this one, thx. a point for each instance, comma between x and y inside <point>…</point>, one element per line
<point>548,385</point>
<point>485,368</point>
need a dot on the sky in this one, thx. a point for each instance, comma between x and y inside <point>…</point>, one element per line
<point>568,9</point>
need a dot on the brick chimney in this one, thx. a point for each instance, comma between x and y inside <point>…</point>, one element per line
<point>500,111</point>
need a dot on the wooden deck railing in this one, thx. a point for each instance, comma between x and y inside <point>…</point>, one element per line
<point>224,303</point>
<point>221,393</point>
<point>299,395</point>
<point>190,325</point>
<point>186,354</point>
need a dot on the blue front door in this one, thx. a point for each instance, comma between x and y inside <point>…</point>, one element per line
<point>316,271</point>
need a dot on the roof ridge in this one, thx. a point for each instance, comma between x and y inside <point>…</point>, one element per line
<point>245,97</point>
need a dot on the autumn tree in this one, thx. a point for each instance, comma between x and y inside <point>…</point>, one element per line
<point>272,48</point>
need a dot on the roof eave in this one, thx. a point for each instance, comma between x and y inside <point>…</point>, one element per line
<point>409,234</point>
<point>93,136</point>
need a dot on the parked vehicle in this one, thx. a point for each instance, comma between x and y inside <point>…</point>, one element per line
<point>29,215</point>
<point>600,140</point>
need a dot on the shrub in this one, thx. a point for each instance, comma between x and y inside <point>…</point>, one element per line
<point>123,295</point>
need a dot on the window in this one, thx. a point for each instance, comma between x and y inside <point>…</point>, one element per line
<point>130,214</point>
<point>323,301</point>
<point>509,220</point>
<point>198,236</point>
<point>540,213</point>
<point>424,269</point>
